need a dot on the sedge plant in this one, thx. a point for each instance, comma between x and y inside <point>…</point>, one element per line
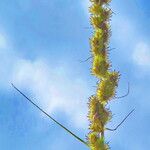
<point>99,115</point>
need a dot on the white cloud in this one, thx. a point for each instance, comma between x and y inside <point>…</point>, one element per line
<point>3,41</point>
<point>54,88</point>
<point>7,58</point>
<point>123,30</point>
<point>141,54</point>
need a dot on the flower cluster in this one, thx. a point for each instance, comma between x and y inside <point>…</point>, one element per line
<point>99,115</point>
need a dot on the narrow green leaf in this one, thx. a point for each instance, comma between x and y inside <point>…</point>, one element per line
<point>50,116</point>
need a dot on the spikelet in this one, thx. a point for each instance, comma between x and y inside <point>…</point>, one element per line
<point>96,142</point>
<point>103,13</point>
<point>96,10</point>
<point>100,67</point>
<point>98,114</point>
<point>106,88</point>
<point>97,111</point>
<point>98,47</point>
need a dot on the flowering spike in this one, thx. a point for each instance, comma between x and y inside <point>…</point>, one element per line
<point>98,114</point>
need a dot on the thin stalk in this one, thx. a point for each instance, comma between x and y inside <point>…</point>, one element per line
<point>121,122</point>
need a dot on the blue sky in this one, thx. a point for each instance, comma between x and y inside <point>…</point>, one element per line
<point>41,45</point>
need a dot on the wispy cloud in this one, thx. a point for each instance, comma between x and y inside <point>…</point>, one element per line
<point>3,41</point>
<point>141,54</point>
<point>53,86</point>
<point>123,29</point>
<point>7,57</point>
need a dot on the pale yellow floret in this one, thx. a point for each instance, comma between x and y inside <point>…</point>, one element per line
<point>97,142</point>
<point>107,87</point>
<point>98,115</point>
<point>100,67</point>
